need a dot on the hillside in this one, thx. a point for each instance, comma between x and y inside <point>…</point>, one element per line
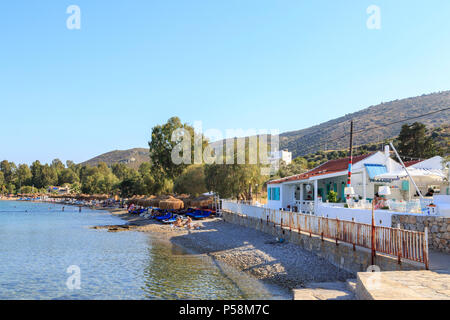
<point>310,140</point>
<point>132,157</point>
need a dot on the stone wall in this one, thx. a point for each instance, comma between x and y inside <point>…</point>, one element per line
<point>438,229</point>
<point>342,255</point>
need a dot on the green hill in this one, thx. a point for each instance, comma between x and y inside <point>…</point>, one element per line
<point>316,138</point>
<point>133,158</point>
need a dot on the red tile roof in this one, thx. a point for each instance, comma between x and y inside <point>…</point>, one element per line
<point>328,167</point>
<point>411,163</point>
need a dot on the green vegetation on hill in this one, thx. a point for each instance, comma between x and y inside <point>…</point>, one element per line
<point>132,158</point>
<point>415,141</point>
<point>310,140</point>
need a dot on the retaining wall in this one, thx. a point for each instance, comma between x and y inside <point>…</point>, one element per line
<point>438,229</point>
<point>341,255</point>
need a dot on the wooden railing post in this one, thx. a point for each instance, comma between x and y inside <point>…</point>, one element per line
<point>354,234</point>
<point>337,230</point>
<point>399,243</point>
<point>373,234</point>
<point>425,249</point>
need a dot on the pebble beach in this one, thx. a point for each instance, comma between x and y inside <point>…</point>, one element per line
<point>248,250</point>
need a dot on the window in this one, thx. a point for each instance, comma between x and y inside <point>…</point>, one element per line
<point>274,194</point>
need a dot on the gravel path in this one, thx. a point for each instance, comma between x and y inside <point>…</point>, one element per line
<point>249,250</point>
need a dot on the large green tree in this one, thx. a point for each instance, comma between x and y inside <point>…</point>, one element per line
<point>67,176</point>
<point>161,147</point>
<point>191,181</point>
<point>8,169</point>
<point>24,176</point>
<point>414,141</point>
<point>99,179</point>
<point>235,180</point>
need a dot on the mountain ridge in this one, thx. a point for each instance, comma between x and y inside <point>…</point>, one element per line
<point>316,138</point>
<point>132,158</point>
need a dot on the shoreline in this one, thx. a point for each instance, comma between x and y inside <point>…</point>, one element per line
<point>283,265</point>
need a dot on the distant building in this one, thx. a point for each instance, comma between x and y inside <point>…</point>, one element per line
<point>282,155</point>
<point>59,190</point>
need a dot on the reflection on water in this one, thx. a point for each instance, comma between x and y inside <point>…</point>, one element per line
<point>39,242</point>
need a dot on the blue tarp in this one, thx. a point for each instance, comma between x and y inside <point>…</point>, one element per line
<point>375,169</point>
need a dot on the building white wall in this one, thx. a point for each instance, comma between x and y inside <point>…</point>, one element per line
<point>382,217</point>
<point>282,155</point>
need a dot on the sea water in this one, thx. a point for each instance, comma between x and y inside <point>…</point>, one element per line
<point>48,253</point>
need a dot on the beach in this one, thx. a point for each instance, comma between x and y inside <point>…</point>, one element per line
<point>248,250</point>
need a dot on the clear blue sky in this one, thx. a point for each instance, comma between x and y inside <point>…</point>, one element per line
<point>287,65</point>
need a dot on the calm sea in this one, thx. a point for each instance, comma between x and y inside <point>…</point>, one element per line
<point>46,253</point>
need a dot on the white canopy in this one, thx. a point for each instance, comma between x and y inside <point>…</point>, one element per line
<point>414,172</point>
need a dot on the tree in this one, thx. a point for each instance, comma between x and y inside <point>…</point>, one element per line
<point>191,181</point>
<point>36,171</point>
<point>24,176</point>
<point>161,147</point>
<point>28,189</point>
<point>99,179</point>
<point>49,176</point>
<point>413,141</point>
<point>148,181</point>
<point>131,186</point>
<point>67,176</point>
<point>8,169</point>
<point>2,182</point>
<point>234,180</point>
<point>297,166</point>
<point>122,172</point>
<point>57,165</point>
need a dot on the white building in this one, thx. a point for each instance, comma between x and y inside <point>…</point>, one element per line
<point>305,192</point>
<point>275,158</point>
<point>282,155</point>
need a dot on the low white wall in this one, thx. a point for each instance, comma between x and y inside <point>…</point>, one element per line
<point>274,204</point>
<point>251,211</point>
<point>382,217</point>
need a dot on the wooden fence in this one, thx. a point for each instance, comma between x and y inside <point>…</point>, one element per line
<point>403,244</point>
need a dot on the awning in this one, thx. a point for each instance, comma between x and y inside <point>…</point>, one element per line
<point>375,170</point>
<point>437,175</point>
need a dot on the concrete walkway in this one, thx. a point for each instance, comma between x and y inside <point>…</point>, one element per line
<point>439,262</point>
<point>326,291</point>
<point>433,284</point>
<point>403,285</point>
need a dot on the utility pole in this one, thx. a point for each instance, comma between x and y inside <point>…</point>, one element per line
<point>350,160</point>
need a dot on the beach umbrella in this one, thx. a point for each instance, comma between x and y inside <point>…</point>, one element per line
<point>171,203</point>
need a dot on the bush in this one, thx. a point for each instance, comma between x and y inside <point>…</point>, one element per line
<point>332,196</point>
